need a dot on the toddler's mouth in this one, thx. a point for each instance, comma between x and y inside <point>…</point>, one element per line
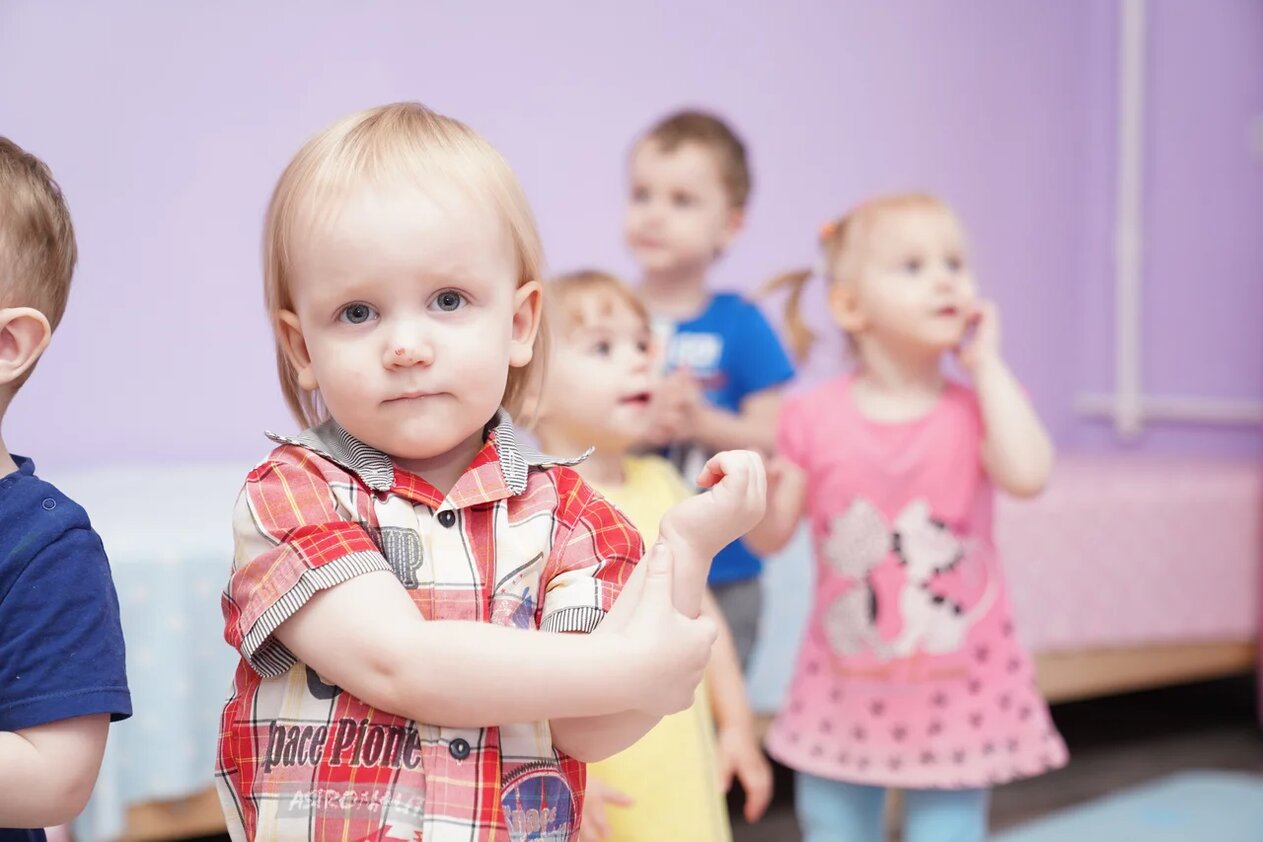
<point>408,396</point>
<point>637,399</point>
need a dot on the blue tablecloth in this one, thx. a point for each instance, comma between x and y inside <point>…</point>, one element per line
<point>168,534</point>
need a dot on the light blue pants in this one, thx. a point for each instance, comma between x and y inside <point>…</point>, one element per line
<point>835,811</point>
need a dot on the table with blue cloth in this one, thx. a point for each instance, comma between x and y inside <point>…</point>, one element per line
<point>168,533</point>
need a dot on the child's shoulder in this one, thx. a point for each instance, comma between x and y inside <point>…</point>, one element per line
<point>731,305</point>
<point>828,402</point>
<point>572,501</point>
<point>310,455</point>
<point>34,512</point>
<point>40,526</point>
<point>823,402</point>
<point>961,401</point>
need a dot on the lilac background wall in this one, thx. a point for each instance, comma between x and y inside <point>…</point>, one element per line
<point>167,125</point>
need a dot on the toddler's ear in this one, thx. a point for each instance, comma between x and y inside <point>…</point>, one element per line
<point>844,306</point>
<point>733,226</point>
<point>24,334</point>
<point>527,314</point>
<point>290,333</point>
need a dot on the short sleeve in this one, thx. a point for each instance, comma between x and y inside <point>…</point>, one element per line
<point>591,560</point>
<point>791,432</point>
<point>61,643</point>
<point>291,541</point>
<point>760,361</point>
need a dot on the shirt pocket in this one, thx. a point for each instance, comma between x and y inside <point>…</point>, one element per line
<point>515,596</point>
<point>402,548</point>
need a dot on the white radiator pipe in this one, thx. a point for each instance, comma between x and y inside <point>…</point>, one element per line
<point>1129,223</point>
<point>1174,408</point>
<point>1128,406</point>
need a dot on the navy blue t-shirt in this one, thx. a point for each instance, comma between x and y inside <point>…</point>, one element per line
<point>733,351</point>
<point>61,644</point>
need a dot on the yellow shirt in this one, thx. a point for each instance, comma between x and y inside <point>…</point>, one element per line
<point>671,771</point>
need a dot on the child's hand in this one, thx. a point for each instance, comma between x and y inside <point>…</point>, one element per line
<point>677,403</point>
<point>782,477</point>
<point>983,346</point>
<point>595,826</point>
<point>673,650</point>
<point>738,754</point>
<point>786,492</point>
<point>736,500</point>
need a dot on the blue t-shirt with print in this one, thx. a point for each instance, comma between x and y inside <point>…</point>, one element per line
<point>734,353</point>
<point>61,643</point>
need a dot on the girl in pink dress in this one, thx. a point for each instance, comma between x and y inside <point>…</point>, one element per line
<point>909,673</point>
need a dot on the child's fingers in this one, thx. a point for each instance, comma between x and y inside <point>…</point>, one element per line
<point>723,464</point>
<point>757,784</point>
<point>724,768</point>
<point>712,473</point>
<point>617,797</point>
<point>595,827</point>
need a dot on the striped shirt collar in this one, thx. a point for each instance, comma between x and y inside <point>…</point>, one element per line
<point>377,470</point>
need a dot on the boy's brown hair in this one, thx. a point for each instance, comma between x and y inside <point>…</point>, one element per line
<point>718,138</point>
<point>37,240</point>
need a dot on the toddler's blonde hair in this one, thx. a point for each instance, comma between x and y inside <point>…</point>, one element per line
<point>843,246</point>
<point>566,291</point>
<point>402,143</point>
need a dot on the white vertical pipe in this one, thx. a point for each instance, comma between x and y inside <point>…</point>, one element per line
<point>1128,399</point>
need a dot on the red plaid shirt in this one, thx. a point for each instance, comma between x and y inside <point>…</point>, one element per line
<point>520,541</point>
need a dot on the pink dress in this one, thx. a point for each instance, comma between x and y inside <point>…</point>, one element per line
<point>909,672</point>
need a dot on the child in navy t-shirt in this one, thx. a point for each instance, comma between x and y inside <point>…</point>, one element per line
<point>61,646</point>
<point>690,183</point>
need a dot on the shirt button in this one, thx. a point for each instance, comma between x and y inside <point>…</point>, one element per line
<point>50,503</point>
<point>459,748</point>
<point>447,517</point>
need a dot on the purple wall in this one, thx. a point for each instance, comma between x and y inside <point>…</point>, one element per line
<point>167,125</point>
<point>1203,255</point>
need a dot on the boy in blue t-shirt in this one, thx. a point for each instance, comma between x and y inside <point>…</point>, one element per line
<point>61,645</point>
<point>689,186</point>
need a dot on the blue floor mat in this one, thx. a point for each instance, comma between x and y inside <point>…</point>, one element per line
<point>1201,806</point>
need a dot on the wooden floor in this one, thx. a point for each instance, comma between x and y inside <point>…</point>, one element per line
<point>1114,743</point>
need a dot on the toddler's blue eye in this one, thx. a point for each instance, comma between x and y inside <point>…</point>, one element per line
<point>449,300</point>
<point>357,314</point>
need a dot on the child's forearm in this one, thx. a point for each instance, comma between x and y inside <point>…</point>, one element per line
<point>594,738</point>
<point>786,501</point>
<point>772,533</point>
<point>454,673</point>
<point>47,772</point>
<point>691,571</point>
<point>1017,451</point>
<point>583,678</point>
<point>724,680</point>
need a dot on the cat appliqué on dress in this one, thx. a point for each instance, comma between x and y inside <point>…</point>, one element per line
<point>857,543</point>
